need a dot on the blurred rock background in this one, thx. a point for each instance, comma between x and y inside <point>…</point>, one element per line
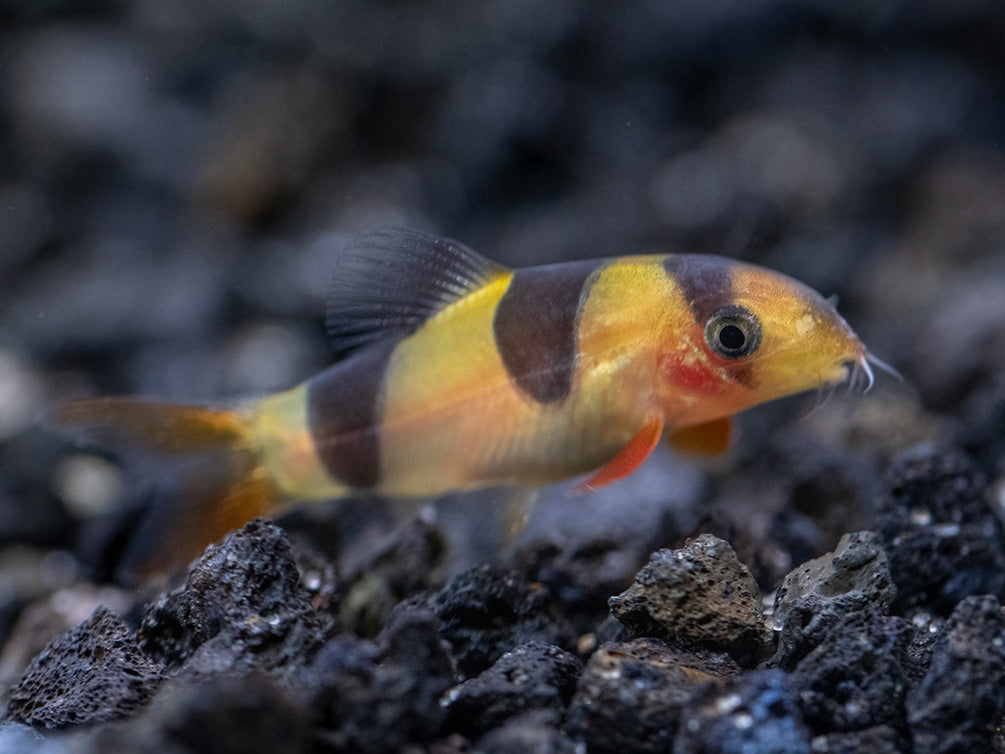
<point>175,176</point>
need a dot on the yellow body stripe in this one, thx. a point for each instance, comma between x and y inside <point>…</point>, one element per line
<point>445,391</point>
<point>453,416</point>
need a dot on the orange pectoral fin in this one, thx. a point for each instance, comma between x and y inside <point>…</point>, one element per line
<point>629,457</point>
<point>708,439</point>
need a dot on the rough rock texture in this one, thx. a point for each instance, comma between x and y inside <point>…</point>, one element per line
<point>855,679</point>
<point>757,712</point>
<point>879,740</point>
<point>377,696</point>
<point>700,595</point>
<point>256,657</point>
<point>943,540</point>
<point>960,703</point>
<point>94,672</point>
<point>584,548</point>
<point>228,713</point>
<point>241,607</point>
<point>631,695</point>
<point>534,676</point>
<point>377,575</point>
<point>485,612</point>
<point>533,733</point>
<point>819,594</point>
<point>784,519</point>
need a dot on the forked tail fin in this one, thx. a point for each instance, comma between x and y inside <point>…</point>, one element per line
<point>219,482</point>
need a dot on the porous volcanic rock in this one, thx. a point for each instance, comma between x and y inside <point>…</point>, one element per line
<point>857,677</point>
<point>487,611</point>
<point>375,696</point>
<point>755,712</point>
<point>534,676</point>
<point>698,595</point>
<point>942,537</point>
<point>92,673</point>
<point>818,594</point>
<point>959,704</point>
<point>227,713</point>
<point>241,607</point>
<point>631,694</point>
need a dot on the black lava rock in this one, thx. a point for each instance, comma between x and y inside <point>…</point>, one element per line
<point>585,548</point>
<point>757,713</point>
<point>225,714</point>
<point>93,673</point>
<point>631,695</point>
<point>533,676</point>
<point>817,595</point>
<point>487,611</point>
<point>943,540</point>
<point>374,697</point>
<point>879,740</point>
<point>794,498</point>
<point>532,733</point>
<point>378,575</point>
<point>699,595</point>
<point>241,605</point>
<point>856,679</point>
<point>246,712</point>
<point>960,702</point>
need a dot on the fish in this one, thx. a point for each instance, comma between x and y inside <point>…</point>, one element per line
<point>452,372</point>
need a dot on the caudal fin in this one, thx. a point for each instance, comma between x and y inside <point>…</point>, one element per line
<point>217,482</point>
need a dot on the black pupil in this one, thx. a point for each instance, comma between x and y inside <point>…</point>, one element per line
<point>732,338</point>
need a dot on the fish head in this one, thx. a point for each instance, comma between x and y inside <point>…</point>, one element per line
<point>789,337</point>
<point>752,335</point>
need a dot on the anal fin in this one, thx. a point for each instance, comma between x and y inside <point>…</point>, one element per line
<point>629,457</point>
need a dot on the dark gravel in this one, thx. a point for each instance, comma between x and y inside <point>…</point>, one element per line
<point>958,706</point>
<point>632,695</point>
<point>173,181</point>
<point>534,676</point>
<point>944,538</point>
<point>94,673</point>
<point>485,612</point>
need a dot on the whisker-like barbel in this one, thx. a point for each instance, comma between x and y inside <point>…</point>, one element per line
<point>861,374</point>
<point>866,370</point>
<point>870,358</point>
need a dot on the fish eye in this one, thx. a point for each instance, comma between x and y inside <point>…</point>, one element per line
<point>733,332</point>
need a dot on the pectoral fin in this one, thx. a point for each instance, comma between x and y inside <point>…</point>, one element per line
<point>708,439</point>
<point>629,457</point>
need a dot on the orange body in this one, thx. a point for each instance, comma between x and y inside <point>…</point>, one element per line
<point>457,373</point>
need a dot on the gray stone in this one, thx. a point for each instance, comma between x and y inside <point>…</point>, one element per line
<point>699,595</point>
<point>817,595</point>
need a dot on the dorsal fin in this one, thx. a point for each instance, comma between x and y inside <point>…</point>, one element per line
<point>389,281</point>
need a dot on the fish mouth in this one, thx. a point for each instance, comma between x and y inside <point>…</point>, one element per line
<point>860,376</point>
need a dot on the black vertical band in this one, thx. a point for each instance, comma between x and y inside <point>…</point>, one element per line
<point>705,282</point>
<point>536,325</point>
<point>343,413</point>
